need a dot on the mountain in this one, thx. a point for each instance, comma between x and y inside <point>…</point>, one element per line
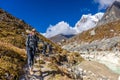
<point>112,14</point>
<point>101,43</point>
<point>109,28</point>
<point>62,64</point>
<point>60,38</point>
<point>13,54</point>
<point>87,22</point>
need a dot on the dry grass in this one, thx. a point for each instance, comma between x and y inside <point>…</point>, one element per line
<point>11,63</point>
<point>12,47</point>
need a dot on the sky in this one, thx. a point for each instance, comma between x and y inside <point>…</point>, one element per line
<point>42,13</point>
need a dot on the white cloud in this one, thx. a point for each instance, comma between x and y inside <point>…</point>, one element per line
<point>104,3</point>
<point>86,22</point>
<point>60,28</point>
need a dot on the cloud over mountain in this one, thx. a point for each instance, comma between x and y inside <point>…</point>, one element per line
<point>60,28</point>
<point>104,3</point>
<point>86,22</point>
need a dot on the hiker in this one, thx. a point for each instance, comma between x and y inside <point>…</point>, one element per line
<point>44,48</point>
<point>31,47</point>
<point>49,48</point>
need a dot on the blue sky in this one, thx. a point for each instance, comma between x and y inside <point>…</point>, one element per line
<point>41,13</point>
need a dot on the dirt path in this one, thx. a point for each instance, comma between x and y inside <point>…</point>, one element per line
<point>40,69</point>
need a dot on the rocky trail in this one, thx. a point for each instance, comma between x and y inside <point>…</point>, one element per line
<point>40,69</point>
<point>86,70</point>
<point>45,69</point>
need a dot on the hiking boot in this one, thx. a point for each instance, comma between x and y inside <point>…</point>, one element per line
<point>31,71</point>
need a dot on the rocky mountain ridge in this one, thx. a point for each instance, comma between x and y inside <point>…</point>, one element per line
<point>101,43</point>
<point>112,14</point>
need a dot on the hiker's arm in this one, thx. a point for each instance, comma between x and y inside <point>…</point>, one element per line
<point>27,41</point>
<point>38,41</point>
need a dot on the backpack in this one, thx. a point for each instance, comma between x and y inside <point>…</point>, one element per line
<point>33,40</point>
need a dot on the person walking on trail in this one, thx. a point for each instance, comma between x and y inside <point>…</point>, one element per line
<point>31,47</point>
<point>44,48</point>
<point>50,48</point>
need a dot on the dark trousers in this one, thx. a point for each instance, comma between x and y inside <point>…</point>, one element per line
<point>30,56</point>
<point>44,51</point>
<point>50,51</point>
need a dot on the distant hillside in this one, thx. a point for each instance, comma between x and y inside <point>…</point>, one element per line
<point>107,27</point>
<point>104,31</point>
<point>60,37</point>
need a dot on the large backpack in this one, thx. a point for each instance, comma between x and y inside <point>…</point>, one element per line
<point>33,40</point>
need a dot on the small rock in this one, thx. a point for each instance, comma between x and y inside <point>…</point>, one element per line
<point>6,75</point>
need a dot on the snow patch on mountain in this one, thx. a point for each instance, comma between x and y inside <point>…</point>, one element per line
<point>86,22</point>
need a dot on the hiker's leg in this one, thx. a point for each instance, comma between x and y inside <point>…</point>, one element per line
<point>43,51</point>
<point>29,58</point>
<point>50,51</point>
<point>31,63</point>
<point>33,54</point>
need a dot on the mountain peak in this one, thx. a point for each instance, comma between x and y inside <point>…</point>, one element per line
<point>112,14</point>
<point>87,22</point>
<point>116,3</point>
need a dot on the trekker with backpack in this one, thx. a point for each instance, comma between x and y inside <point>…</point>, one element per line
<point>44,48</point>
<point>31,47</point>
<point>50,48</point>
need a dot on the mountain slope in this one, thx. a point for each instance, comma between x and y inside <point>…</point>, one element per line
<point>112,13</point>
<point>101,43</point>
<point>12,48</point>
<point>105,31</point>
<point>107,27</point>
<point>60,37</point>
<point>86,22</point>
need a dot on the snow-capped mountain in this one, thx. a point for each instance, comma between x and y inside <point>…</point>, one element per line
<point>112,13</point>
<point>104,39</point>
<point>87,22</point>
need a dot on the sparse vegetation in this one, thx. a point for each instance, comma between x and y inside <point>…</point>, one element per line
<point>11,63</point>
<point>12,48</point>
<point>104,31</point>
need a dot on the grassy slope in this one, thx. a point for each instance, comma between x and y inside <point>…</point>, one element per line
<point>12,46</point>
<point>11,61</point>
